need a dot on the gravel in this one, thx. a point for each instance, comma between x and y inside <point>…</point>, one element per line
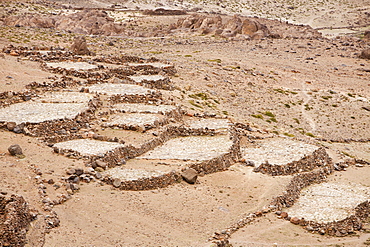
<point>140,78</point>
<point>134,119</point>
<point>142,108</point>
<point>88,147</point>
<point>191,148</point>
<point>277,151</point>
<point>155,65</point>
<point>39,112</point>
<point>122,89</point>
<point>209,123</point>
<point>72,65</point>
<point>328,202</point>
<point>64,97</point>
<point>131,174</point>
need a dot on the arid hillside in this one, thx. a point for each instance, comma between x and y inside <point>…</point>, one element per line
<point>184,123</point>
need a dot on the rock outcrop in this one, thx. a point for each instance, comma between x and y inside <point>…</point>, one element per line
<point>91,22</point>
<point>365,54</point>
<point>225,28</point>
<point>79,46</point>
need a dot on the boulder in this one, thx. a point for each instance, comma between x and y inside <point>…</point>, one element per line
<point>190,175</point>
<point>79,46</point>
<point>367,35</point>
<point>15,149</point>
<point>295,220</point>
<point>117,182</point>
<point>365,54</point>
<point>249,27</point>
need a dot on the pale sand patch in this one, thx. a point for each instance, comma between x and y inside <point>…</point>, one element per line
<point>191,148</point>
<point>88,147</point>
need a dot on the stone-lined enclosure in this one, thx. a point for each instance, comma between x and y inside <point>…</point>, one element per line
<point>71,114</point>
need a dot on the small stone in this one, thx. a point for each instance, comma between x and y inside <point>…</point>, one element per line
<point>71,171</point>
<point>294,220</point>
<point>74,179</point>
<point>38,171</point>
<point>75,187</point>
<point>117,182</point>
<point>101,164</point>
<point>90,171</point>
<point>309,228</point>
<point>99,169</point>
<point>284,215</point>
<point>258,213</point>
<point>79,171</point>
<point>11,125</point>
<point>14,53</point>
<point>98,175</point>
<point>50,181</point>
<point>250,163</point>
<point>56,186</point>
<point>15,149</point>
<point>18,129</point>
<point>359,165</point>
<point>190,175</point>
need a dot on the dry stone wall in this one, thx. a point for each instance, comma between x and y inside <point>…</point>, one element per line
<point>15,217</point>
<point>319,158</point>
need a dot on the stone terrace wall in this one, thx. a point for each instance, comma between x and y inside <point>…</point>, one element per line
<point>148,183</point>
<point>340,228</point>
<point>15,218</point>
<point>336,228</point>
<point>319,158</point>
<point>222,162</point>
<point>299,182</point>
<point>9,97</point>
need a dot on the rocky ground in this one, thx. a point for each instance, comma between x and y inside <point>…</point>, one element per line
<point>184,126</point>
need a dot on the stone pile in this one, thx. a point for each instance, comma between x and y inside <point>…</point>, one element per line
<point>14,221</point>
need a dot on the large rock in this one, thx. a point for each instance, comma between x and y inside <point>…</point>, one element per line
<point>79,46</point>
<point>15,149</point>
<point>367,35</point>
<point>190,175</point>
<point>365,54</point>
